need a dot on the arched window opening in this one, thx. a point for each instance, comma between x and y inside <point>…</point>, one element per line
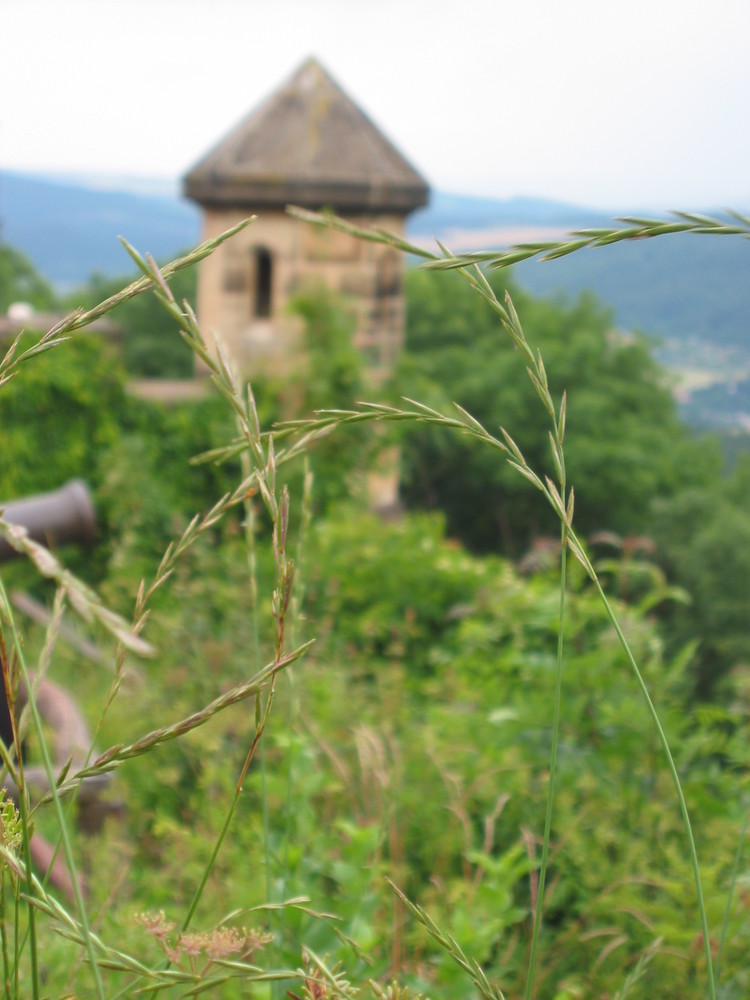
<point>388,291</point>
<point>262,282</point>
<point>388,282</point>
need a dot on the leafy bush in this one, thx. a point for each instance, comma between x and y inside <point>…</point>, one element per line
<point>60,415</point>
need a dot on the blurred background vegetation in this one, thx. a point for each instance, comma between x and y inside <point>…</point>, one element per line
<point>414,740</point>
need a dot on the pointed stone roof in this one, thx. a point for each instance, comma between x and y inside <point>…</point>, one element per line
<point>308,144</point>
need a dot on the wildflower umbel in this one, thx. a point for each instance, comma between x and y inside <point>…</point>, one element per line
<point>215,945</point>
<point>155,923</point>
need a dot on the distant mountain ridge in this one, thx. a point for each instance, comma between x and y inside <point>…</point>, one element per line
<point>467,212</point>
<point>70,231</point>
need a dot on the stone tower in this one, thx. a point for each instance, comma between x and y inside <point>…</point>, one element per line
<point>309,145</point>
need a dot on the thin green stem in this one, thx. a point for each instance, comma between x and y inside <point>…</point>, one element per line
<point>9,692</point>
<point>216,848</point>
<point>260,728</point>
<point>23,810</point>
<point>733,882</point>
<point>262,714</point>
<point>306,510</point>
<point>211,861</point>
<point>61,820</point>
<point>552,770</point>
<point>4,938</point>
<point>252,565</point>
<point>16,942</point>
<point>673,772</point>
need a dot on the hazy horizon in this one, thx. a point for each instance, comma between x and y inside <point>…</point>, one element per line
<point>612,106</point>
<point>149,185</point>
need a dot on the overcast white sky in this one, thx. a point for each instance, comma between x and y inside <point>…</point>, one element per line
<point>612,103</point>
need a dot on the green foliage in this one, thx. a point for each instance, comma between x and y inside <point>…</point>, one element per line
<point>148,489</point>
<point>20,282</point>
<point>61,414</point>
<point>447,673</point>
<point>404,621</point>
<point>424,754</point>
<point>414,739</point>
<point>637,469</point>
<point>626,444</point>
<point>704,538</point>
<point>66,414</point>
<point>152,346</point>
<point>333,366</point>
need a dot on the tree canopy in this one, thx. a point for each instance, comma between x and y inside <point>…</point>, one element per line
<point>20,282</point>
<point>625,443</point>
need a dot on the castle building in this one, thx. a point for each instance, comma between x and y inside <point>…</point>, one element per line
<point>308,145</point>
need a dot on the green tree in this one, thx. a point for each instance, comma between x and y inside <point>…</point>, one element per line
<point>625,444</point>
<point>20,282</point>
<point>703,537</point>
<point>149,490</point>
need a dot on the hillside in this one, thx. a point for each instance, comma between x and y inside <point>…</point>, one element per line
<point>70,232</point>
<point>460,214</point>
<point>680,286</point>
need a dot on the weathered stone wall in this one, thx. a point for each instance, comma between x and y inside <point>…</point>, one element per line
<point>244,287</point>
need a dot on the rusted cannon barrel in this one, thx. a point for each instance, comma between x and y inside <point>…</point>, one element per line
<point>64,515</point>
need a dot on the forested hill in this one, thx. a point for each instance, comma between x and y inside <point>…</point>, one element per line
<point>69,231</point>
<point>684,287</point>
<point>692,289</point>
<point>681,286</point>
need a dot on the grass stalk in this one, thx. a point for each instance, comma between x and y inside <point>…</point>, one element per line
<point>488,990</point>
<point>631,228</point>
<point>306,512</point>
<point>732,884</point>
<point>537,930</point>
<point>31,930</point>
<point>60,815</point>
<point>212,859</point>
<point>687,825</point>
<point>17,773</point>
<point>16,942</point>
<point>4,938</point>
<point>252,566</point>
